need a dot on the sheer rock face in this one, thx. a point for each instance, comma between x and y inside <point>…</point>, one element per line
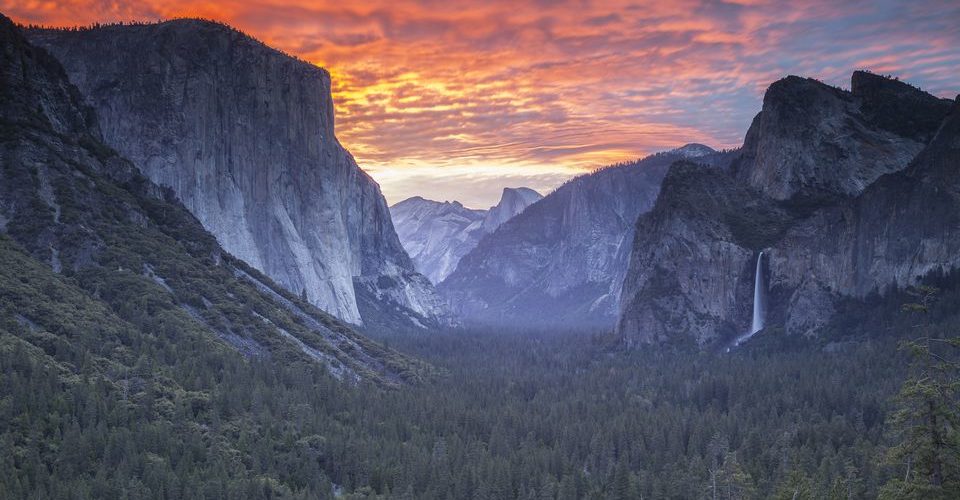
<point>561,262</point>
<point>687,272</point>
<point>245,137</point>
<point>823,188</point>
<point>72,203</point>
<point>811,139</point>
<point>438,234</point>
<point>902,227</point>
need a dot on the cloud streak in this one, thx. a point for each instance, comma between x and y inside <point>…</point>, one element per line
<point>455,99</point>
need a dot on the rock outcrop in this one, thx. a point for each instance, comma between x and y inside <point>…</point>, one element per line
<point>244,135</point>
<point>129,253</point>
<point>561,262</point>
<point>812,140</point>
<point>822,186</point>
<point>438,234</point>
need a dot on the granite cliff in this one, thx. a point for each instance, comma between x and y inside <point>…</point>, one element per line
<point>98,259</point>
<point>244,135</point>
<point>512,202</point>
<point>846,193</point>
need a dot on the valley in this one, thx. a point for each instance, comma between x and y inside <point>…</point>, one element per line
<point>204,294</point>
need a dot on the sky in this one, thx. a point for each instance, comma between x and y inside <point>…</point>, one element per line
<point>456,99</point>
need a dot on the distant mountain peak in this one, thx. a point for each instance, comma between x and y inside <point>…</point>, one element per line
<point>438,234</point>
<point>561,262</point>
<point>519,190</point>
<point>512,202</point>
<point>693,150</point>
<point>424,203</point>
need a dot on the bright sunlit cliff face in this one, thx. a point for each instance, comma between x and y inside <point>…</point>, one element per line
<point>450,102</point>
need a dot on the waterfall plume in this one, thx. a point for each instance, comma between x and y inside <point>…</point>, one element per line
<point>759,304</point>
<point>758,298</point>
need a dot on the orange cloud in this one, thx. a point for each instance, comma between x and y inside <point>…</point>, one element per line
<point>466,97</point>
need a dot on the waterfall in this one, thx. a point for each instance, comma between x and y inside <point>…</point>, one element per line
<point>758,298</point>
<point>759,302</point>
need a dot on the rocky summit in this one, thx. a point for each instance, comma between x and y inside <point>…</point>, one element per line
<point>845,192</point>
<point>244,136</point>
<point>438,234</point>
<point>811,139</point>
<point>512,202</point>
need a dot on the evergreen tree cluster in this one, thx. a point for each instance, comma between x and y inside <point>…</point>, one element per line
<point>95,409</point>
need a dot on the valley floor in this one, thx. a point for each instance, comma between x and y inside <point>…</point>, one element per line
<point>563,416</point>
<point>548,415</point>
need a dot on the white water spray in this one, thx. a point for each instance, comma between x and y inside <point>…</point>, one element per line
<point>759,299</point>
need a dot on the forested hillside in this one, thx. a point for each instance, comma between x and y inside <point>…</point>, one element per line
<point>547,415</point>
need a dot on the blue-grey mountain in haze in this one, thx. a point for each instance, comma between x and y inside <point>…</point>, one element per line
<point>438,234</point>
<point>561,262</point>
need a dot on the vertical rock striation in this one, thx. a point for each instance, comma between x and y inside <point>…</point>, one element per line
<point>244,135</point>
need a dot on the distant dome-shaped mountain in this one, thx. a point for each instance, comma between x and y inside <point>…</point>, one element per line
<point>694,150</point>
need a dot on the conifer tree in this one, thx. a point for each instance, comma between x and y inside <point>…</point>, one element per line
<point>928,417</point>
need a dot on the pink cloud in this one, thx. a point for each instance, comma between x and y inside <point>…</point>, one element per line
<point>553,88</point>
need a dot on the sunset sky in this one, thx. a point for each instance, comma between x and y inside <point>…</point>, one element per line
<point>452,99</point>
